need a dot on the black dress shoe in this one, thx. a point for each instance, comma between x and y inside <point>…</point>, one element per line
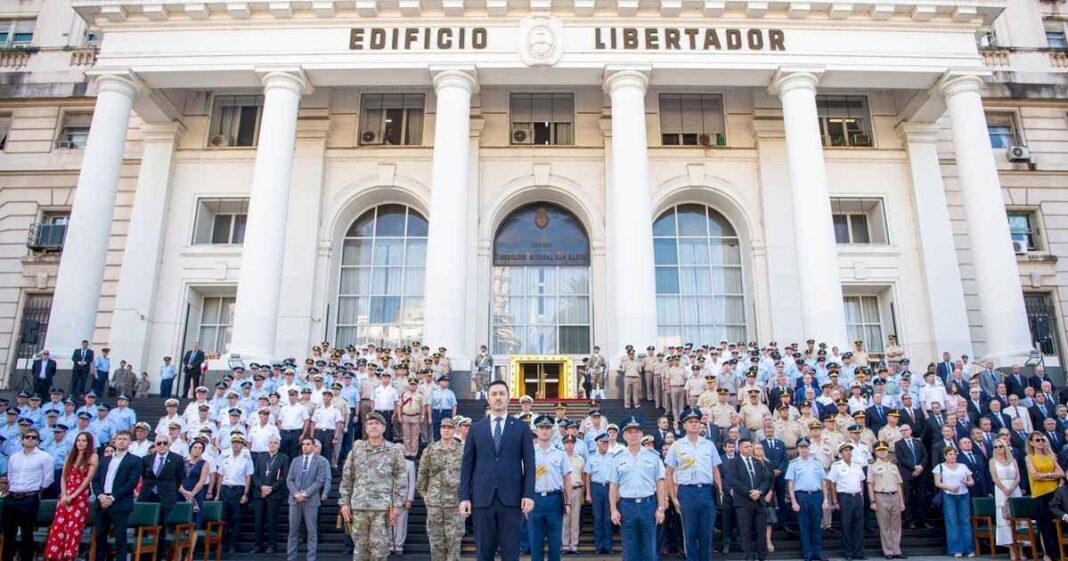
<point>860,558</point>
<point>902,556</point>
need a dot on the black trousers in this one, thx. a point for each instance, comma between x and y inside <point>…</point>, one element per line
<point>231,500</point>
<point>266,510</point>
<point>496,526</point>
<point>326,438</point>
<point>148,496</point>
<point>730,524</point>
<point>388,416</point>
<point>851,511</point>
<point>107,520</point>
<point>78,379</point>
<point>192,379</point>
<point>41,387</point>
<point>19,515</point>
<point>914,500</point>
<point>752,520</point>
<point>290,445</point>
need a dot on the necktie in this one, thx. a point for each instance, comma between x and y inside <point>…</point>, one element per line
<point>159,465</point>
<point>749,466</point>
<point>497,434</point>
<point>970,459</point>
<point>912,450</point>
<point>879,409</point>
<point>305,463</point>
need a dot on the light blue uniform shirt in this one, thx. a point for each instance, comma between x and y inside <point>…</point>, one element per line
<point>352,395</point>
<point>90,409</point>
<point>51,406</point>
<point>599,467</point>
<point>442,399</point>
<point>58,451</point>
<point>102,364</point>
<point>123,419</point>
<point>102,430</point>
<point>693,463</point>
<point>35,415</point>
<point>636,476</point>
<point>551,467</point>
<point>807,475</point>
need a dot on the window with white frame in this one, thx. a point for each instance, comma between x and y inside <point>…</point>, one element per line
<point>93,38</point>
<point>863,321</point>
<point>16,33</point>
<point>74,133</point>
<point>692,120</point>
<point>844,120</point>
<point>1056,40</point>
<point>858,220</point>
<point>235,121</point>
<point>700,294</point>
<point>392,119</point>
<point>1023,231</point>
<point>220,221</point>
<point>380,290</point>
<point>1001,127</point>
<point>217,323</point>
<point>542,119</point>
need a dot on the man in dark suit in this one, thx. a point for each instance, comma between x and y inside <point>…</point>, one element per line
<point>1015,383</point>
<point>497,477</point>
<point>936,419</point>
<point>1041,410</point>
<point>43,371</point>
<point>876,414</point>
<point>975,461</point>
<point>113,486</point>
<point>998,420</point>
<point>948,439</point>
<point>912,416</point>
<point>775,452</point>
<point>81,360</point>
<point>268,492</point>
<point>163,471</point>
<point>1055,437</point>
<point>750,481</point>
<point>1035,381</point>
<point>912,463</point>
<point>663,428</point>
<point>945,368</point>
<point>192,362</point>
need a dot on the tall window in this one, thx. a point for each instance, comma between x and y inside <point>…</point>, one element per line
<point>692,120</point>
<point>543,119</point>
<point>1042,319</point>
<point>863,322</point>
<point>380,292</point>
<point>1002,130</point>
<point>1022,229</point>
<point>50,232</point>
<point>700,293</point>
<point>217,323</point>
<point>1056,40</point>
<point>74,132</point>
<point>844,120</point>
<point>235,121</point>
<point>221,222</point>
<point>858,221</point>
<point>392,119</point>
<point>16,33</point>
<point>541,283</point>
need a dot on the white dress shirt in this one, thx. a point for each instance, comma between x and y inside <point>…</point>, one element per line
<point>113,469</point>
<point>29,473</point>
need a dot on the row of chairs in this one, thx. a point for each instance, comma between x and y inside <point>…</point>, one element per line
<point>1023,513</point>
<point>144,529</point>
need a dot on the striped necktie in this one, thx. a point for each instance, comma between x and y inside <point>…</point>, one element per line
<point>497,433</point>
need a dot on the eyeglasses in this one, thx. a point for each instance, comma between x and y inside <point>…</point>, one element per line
<point>163,444</point>
<point>1038,439</point>
<point>999,447</point>
<point>31,437</point>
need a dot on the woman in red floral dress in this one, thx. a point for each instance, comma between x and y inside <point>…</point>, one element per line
<point>73,508</point>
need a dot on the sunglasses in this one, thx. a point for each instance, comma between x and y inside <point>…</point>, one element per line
<point>1039,439</point>
<point>31,437</point>
<point>999,447</point>
<point>163,444</point>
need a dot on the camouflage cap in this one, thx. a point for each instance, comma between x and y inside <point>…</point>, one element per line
<point>374,416</point>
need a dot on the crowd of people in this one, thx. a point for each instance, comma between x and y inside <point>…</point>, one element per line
<point>752,441</point>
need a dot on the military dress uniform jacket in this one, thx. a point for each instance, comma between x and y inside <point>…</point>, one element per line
<point>438,481</point>
<point>375,477</point>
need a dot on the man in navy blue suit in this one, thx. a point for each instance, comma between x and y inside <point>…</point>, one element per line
<point>497,478</point>
<point>113,486</point>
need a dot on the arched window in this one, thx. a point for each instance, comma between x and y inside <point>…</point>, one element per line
<point>699,288</point>
<point>380,291</point>
<point>541,283</point>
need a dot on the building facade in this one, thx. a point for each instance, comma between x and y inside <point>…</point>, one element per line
<point>536,176</point>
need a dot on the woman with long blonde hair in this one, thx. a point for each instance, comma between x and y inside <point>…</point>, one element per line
<point>1044,475</point>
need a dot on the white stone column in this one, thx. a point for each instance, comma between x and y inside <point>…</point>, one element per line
<point>263,255</point>
<point>81,268</point>
<point>138,278</point>
<point>997,277</point>
<point>822,312</point>
<point>445,287</point>
<point>630,228</point>
<point>945,292</point>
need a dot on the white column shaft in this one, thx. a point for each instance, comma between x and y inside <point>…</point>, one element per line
<point>81,269</point>
<point>262,257</point>
<point>139,275</point>
<point>945,292</point>
<point>445,287</point>
<point>631,227</point>
<point>997,276</point>
<point>822,311</point>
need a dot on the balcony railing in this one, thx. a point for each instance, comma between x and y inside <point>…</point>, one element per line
<point>46,237</point>
<point>85,56</point>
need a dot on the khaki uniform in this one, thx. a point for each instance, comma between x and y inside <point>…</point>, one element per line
<point>677,380</point>
<point>708,399</point>
<point>695,386</point>
<point>658,383</point>
<point>885,480</point>
<point>720,414</point>
<point>574,496</point>
<point>426,389</point>
<point>842,422</point>
<point>825,450</point>
<point>788,432</point>
<point>632,381</point>
<point>753,415</point>
<point>413,417</point>
<point>648,368</point>
<point>438,483</point>
<point>375,478</point>
<point>891,435</point>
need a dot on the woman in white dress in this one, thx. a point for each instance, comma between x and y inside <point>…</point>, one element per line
<point>1006,477</point>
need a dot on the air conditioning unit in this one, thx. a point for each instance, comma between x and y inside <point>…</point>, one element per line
<point>1019,247</point>
<point>65,145</point>
<point>861,140</point>
<point>522,134</point>
<point>704,139</point>
<point>219,141</point>
<point>368,137</point>
<point>1018,154</point>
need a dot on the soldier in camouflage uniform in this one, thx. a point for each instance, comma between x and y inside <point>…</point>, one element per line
<point>439,485</point>
<point>374,487</point>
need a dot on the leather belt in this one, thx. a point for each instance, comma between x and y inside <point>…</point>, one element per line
<point>548,493</point>
<point>27,494</point>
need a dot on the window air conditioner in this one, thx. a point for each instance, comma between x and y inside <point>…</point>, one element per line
<point>219,140</point>
<point>704,139</point>
<point>368,137</point>
<point>1019,247</point>
<point>1018,154</point>
<point>65,145</point>
<point>522,134</point>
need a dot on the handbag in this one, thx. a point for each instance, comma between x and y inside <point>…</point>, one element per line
<point>936,501</point>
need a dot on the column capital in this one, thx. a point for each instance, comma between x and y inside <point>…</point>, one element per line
<point>787,79</point>
<point>953,84</point>
<point>465,77</point>
<point>122,81</point>
<point>626,77</point>
<point>913,132</point>
<point>289,78</point>
<point>162,132</point>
